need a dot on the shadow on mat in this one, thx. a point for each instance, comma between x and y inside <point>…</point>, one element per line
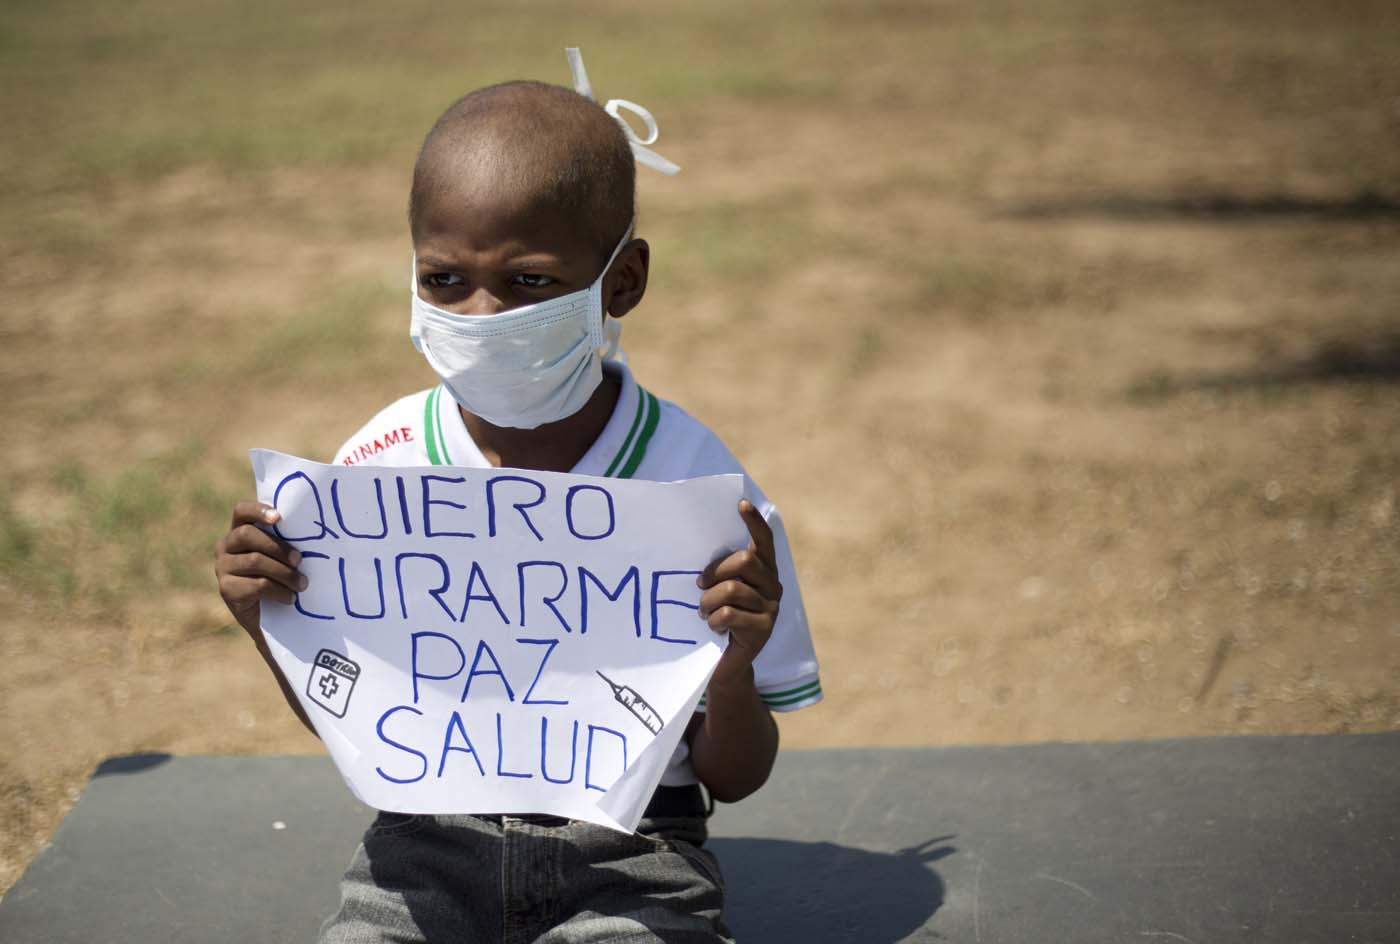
<point>817,892</point>
<point>130,764</point>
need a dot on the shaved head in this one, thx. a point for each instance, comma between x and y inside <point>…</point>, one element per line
<point>529,145</point>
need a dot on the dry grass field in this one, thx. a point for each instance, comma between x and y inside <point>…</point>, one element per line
<point>1066,334</point>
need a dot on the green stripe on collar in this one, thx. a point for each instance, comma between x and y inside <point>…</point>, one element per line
<point>441,437</point>
<point>639,450</point>
<point>432,429</point>
<point>430,426</point>
<point>631,433</point>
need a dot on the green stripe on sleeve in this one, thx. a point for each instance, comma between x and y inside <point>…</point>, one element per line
<point>791,696</point>
<point>631,433</point>
<point>639,450</point>
<point>815,683</point>
<point>792,701</point>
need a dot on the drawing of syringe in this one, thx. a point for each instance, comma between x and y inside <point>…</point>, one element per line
<point>628,698</point>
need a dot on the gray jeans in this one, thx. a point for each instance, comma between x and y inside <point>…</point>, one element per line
<point>540,879</point>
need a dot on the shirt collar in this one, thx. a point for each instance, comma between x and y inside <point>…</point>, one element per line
<point>463,451</point>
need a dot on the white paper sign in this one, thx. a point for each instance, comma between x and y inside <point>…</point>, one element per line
<point>494,640</point>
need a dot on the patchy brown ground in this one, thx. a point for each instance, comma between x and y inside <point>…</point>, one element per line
<point>1067,336</point>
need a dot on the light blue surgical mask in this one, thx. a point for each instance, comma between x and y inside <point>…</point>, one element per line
<point>527,366</point>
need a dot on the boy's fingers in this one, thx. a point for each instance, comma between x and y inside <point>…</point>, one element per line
<point>745,566</point>
<point>254,512</point>
<point>260,565</point>
<point>741,563</point>
<point>248,538</point>
<point>707,576</point>
<point>759,532</point>
<point>244,591</point>
<point>733,593</point>
<point>728,619</point>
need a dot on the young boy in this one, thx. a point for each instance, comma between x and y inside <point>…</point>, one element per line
<point>521,214</point>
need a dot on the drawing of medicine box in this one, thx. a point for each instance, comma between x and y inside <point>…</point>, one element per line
<point>332,680</point>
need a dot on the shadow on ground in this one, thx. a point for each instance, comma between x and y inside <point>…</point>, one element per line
<point>1375,360</point>
<point>1208,207</point>
<point>817,892</point>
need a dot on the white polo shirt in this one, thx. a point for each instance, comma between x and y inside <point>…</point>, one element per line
<point>645,438</point>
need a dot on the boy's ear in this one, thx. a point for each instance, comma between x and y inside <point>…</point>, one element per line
<point>626,283</point>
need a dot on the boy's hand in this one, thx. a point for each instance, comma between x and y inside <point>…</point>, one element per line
<point>741,595</point>
<point>252,564</point>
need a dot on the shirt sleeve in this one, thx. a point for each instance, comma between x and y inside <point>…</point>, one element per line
<point>785,671</point>
<point>393,437</point>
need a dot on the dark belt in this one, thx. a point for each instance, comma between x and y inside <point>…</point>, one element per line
<point>676,801</point>
<point>666,802</point>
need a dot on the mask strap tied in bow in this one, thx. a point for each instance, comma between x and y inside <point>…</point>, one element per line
<point>614,107</point>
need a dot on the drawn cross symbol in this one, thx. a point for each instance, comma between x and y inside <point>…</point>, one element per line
<point>329,686</point>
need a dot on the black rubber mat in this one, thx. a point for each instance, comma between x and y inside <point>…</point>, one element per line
<point>1291,839</point>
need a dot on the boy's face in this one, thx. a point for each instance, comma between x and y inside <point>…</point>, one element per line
<point>482,254</point>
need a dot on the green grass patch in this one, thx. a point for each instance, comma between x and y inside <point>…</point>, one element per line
<point>979,285</point>
<point>722,243</point>
<point>337,337</point>
<point>334,335</point>
<point>866,351</point>
<point>17,540</point>
<point>97,96</point>
<point>145,528</point>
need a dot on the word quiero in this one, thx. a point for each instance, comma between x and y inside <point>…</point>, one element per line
<point>444,506</point>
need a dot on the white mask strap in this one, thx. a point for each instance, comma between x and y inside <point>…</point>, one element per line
<point>600,334</point>
<point>640,151</point>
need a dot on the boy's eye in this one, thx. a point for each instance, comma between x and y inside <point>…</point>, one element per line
<point>441,279</point>
<point>533,280</point>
